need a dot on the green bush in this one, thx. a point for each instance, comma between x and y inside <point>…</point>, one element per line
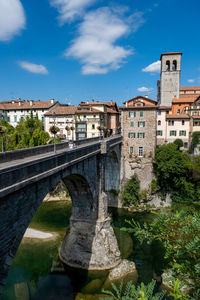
<point>130,194</point>
<point>179,143</point>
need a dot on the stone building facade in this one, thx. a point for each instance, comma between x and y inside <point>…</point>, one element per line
<point>138,121</point>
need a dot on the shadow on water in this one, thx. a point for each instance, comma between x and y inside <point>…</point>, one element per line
<point>37,273</point>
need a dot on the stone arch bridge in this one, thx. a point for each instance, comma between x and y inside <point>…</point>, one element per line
<point>88,172</point>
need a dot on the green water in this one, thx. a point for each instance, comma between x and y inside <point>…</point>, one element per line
<point>36,272</point>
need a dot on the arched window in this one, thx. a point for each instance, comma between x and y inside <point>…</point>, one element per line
<point>167,68</point>
<point>159,122</point>
<point>174,66</point>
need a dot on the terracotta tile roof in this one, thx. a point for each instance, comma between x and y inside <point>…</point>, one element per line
<point>170,53</point>
<point>189,88</point>
<point>110,103</point>
<point>181,116</point>
<point>62,110</point>
<point>195,117</point>
<point>185,99</point>
<point>164,107</point>
<point>138,97</point>
<point>112,111</point>
<point>26,104</point>
<point>85,110</point>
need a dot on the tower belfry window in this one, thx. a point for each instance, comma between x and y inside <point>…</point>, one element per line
<point>174,66</point>
<point>167,68</point>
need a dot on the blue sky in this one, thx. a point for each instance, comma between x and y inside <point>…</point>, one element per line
<point>77,50</point>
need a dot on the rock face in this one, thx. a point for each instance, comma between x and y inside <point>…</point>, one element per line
<point>91,246</point>
<point>122,269</point>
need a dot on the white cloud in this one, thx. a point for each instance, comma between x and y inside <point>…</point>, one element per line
<point>95,45</point>
<point>191,80</point>
<point>33,68</point>
<point>144,89</point>
<point>70,9</point>
<point>153,68</point>
<point>12,19</point>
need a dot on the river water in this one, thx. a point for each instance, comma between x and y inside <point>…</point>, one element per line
<point>36,272</point>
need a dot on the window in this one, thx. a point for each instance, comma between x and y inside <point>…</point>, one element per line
<point>141,124</point>
<point>196,123</point>
<point>140,151</point>
<point>131,124</point>
<point>94,116</point>
<point>167,67</point>
<point>21,111</point>
<point>159,132</point>
<point>183,122</point>
<point>132,114</point>
<point>174,65</point>
<point>178,111</point>
<point>159,112</point>
<point>93,134</point>
<point>185,145</point>
<point>93,126</point>
<point>159,122</point>
<point>21,118</point>
<point>171,122</point>
<point>84,117</point>
<point>141,114</point>
<point>182,132</point>
<point>15,119</point>
<point>141,135</point>
<point>172,132</point>
<point>42,118</point>
<point>131,135</point>
<point>8,119</point>
<point>131,150</point>
<point>14,111</point>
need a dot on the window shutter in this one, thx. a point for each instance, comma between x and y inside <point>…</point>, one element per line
<point>138,135</point>
<point>175,132</point>
<point>179,132</point>
<point>143,135</point>
<point>156,132</point>
<point>129,135</point>
<point>170,133</point>
<point>134,134</point>
<point>161,132</point>
<point>185,133</point>
<point>134,113</point>
<point>138,124</point>
<point>144,124</point>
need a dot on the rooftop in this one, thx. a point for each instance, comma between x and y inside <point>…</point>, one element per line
<point>26,104</point>
<point>62,110</point>
<point>170,53</point>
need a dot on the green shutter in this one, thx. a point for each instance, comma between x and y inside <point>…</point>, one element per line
<point>144,124</point>
<point>179,132</point>
<point>132,124</point>
<point>185,133</point>
<point>138,124</point>
<point>156,132</point>
<point>138,135</point>
<point>161,132</point>
<point>143,135</point>
<point>134,113</point>
<point>175,132</point>
<point>170,133</point>
<point>129,135</point>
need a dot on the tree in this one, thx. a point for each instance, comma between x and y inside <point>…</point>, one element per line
<point>179,143</point>
<point>174,172</point>
<point>130,194</point>
<point>195,139</point>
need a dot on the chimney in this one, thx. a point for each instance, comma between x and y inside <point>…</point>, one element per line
<point>126,104</point>
<point>13,101</point>
<point>31,102</point>
<point>52,100</point>
<point>146,96</point>
<point>20,103</point>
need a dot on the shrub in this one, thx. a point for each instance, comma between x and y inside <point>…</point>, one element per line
<point>179,143</point>
<point>130,194</point>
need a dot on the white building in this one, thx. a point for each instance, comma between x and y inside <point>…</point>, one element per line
<point>15,110</point>
<point>61,116</point>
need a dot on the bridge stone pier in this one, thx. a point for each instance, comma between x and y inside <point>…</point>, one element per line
<point>86,171</point>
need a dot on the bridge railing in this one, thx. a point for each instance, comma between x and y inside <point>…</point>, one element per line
<point>27,152</point>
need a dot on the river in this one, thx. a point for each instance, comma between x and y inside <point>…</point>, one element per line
<point>36,272</point>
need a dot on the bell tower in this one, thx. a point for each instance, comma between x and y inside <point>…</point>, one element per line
<point>169,77</point>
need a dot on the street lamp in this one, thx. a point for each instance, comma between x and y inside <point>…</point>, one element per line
<point>54,118</point>
<point>2,131</point>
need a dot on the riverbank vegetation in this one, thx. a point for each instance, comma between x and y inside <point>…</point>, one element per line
<point>178,235</point>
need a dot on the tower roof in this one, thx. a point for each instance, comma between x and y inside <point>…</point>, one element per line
<point>170,53</point>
